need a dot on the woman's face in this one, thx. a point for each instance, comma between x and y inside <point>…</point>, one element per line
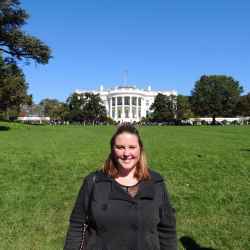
<point>127,150</point>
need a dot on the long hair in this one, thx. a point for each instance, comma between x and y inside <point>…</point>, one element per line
<point>111,166</point>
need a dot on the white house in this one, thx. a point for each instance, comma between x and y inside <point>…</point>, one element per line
<point>126,103</point>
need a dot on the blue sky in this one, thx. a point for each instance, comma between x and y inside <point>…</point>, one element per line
<point>168,44</point>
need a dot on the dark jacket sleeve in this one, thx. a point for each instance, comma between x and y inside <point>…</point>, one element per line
<point>78,216</point>
<point>167,224</point>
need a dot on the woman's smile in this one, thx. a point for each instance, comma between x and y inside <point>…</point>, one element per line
<point>127,150</point>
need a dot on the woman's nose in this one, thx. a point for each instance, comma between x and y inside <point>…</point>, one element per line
<point>126,151</point>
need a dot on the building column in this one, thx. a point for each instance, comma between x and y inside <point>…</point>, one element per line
<point>143,107</point>
<point>130,107</point>
<point>137,108</point>
<point>110,108</point>
<point>123,111</point>
<point>116,108</point>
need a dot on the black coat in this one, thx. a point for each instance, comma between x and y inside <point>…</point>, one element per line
<point>120,222</point>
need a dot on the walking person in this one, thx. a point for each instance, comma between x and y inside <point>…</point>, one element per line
<point>124,206</point>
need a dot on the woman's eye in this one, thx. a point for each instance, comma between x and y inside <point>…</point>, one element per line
<point>127,147</point>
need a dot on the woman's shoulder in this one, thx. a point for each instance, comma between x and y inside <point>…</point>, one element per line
<point>96,176</point>
<point>92,175</point>
<point>89,180</point>
<point>156,176</point>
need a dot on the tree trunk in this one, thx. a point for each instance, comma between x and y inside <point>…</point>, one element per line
<point>7,117</point>
<point>214,120</point>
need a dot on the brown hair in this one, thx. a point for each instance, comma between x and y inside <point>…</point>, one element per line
<point>111,167</point>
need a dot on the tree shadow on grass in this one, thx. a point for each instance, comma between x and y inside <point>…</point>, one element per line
<point>190,244</point>
<point>4,128</point>
<point>245,149</point>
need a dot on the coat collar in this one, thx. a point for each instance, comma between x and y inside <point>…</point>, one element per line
<point>101,176</point>
<point>146,188</point>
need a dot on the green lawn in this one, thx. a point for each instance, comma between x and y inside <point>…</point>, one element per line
<point>207,171</point>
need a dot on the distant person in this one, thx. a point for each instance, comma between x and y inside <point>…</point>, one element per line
<point>124,206</point>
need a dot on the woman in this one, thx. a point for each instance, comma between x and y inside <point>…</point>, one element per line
<point>125,205</point>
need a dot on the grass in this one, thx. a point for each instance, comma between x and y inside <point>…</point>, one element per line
<point>207,171</point>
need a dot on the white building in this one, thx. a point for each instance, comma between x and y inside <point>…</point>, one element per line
<point>127,103</point>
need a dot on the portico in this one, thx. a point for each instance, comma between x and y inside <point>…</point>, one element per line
<point>127,103</point>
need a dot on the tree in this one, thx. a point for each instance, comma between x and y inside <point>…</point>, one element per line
<point>243,106</point>
<point>13,89</point>
<point>94,109</point>
<point>15,45</point>
<point>75,104</point>
<point>183,107</point>
<point>14,42</point>
<point>163,108</point>
<point>87,107</point>
<point>54,109</point>
<point>215,95</point>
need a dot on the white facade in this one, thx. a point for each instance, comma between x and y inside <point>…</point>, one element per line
<point>39,119</point>
<point>127,103</point>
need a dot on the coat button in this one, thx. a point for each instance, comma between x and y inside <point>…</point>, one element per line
<point>134,205</point>
<point>104,207</point>
<point>102,229</point>
<point>134,227</point>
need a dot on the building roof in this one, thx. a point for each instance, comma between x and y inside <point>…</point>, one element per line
<point>126,87</point>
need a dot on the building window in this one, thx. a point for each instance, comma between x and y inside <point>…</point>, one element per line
<point>139,101</point>
<point>126,112</point>
<point>126,100</point>
<point>139,113</point>
<point>113,101</point>
<point>134,112</point>
<point>119,112</point>
<point>113,113</point>
<point>147,102</point>
<point>119,101</point>
<point>134,101</point>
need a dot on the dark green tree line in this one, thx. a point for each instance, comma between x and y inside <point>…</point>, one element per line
<point>13,89</point>
<point>243,106</point>
<point>16,45</point>
<point>163,108</point>
<point>55,109</point>
<point>215,95</point>
<point>183,107</point>
<point>86,108</point>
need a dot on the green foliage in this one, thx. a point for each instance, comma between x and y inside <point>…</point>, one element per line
<point>54,109</point>
<point>16,43</point>
<point>183,107</point>
<point>87,107</point>
<point>163,108</point>
<point>243,106</point>
<point>215,95</point>
<point>13,89</point>
<point>206,171</point>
